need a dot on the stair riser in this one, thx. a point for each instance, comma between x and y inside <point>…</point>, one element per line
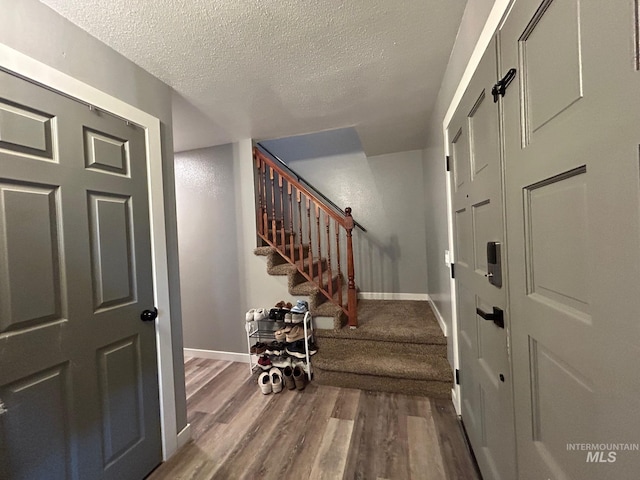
<point>333,347</point>
<point>423,388</point>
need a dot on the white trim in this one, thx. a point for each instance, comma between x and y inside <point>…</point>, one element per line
<point>443,325</point>
<point>455,399</point>
<point>21,64</point>
<point>217,355</point>
<point>184,436</point>
<point>392,296</point>
<point>496,16</point>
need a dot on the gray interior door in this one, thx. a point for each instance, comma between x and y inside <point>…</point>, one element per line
<point>78,377</point>
<point>485,379</point>
<point>572,135</point>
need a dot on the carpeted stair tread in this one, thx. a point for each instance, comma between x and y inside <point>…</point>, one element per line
<point>326,309</point>
<point>407,365</point>
<point>407,321</point>
<point>335,347</point>
<point>406,386</point>
<point>282,269</point>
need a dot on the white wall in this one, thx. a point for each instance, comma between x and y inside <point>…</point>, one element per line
<point>386,194</point>
<point>221,278</point>
<point>38,32</point>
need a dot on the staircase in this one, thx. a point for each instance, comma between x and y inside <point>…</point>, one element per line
<point>397,347</point>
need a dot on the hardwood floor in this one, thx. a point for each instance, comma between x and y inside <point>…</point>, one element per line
<point>319,433</point>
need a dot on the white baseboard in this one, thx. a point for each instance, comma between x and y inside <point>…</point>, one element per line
<point>392,296</point>
<point>217,355</point>
<point>441,321</point>
<point>184,436</point>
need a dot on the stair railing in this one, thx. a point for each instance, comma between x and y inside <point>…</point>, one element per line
<point>308,233</point>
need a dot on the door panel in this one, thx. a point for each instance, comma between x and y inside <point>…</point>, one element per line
<point>572,188</point>
<point>78,365</point>
<point>37,402</point>
<point>31,285</point>
<point>485,380</point>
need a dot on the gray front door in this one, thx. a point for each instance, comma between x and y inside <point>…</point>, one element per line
<point>485,379</point>
<point>78,375</point>
<point>572,136</point>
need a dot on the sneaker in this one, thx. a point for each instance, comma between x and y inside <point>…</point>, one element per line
<point>264,381</point>
<point>258,349</point>
<point>260,314</point>
<point>281,362</point>
<point>300,307</point>
<point>289,382</point>
<point>313,348</point>
<point>250,314</point>
<point>299,377</point>
<point>275,348</point>
<point>296,333</point>
<point>288,317</point>
<point>276,380</point>
<point>264,363</point>
<point>297,349</point>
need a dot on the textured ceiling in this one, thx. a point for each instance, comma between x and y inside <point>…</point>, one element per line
<point>268,69</point>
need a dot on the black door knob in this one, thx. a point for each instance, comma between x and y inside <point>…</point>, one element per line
<point>149,315</point>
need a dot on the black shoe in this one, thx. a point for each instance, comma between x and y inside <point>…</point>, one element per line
<point>296,349</point>
<point>275,348</point>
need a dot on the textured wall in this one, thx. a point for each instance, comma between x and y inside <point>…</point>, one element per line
<point>35,30</point>
<point>473,21</point>
<point>386,193</point>
<point>220,277</point>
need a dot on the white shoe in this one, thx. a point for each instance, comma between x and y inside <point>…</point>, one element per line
<point>260,314</point>
<point>276,380</point>
<point>265,383</point>
<point>250,314</point>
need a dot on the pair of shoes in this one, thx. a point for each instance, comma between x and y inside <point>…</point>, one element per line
<point>297,349</point>
<point>281,362</point>
<point>275,348</point>
<point>264,363</point>
<point>296,333</point>
<point>281,334</point>
<point>256,314</point>
<point>277,314</point>
<point>281,304</point>
<point>300,307</point>
<point>270,381</point>
<point>258,348</point>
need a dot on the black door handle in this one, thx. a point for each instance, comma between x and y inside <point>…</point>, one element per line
<point>497,316</point>
<point>149,315</point>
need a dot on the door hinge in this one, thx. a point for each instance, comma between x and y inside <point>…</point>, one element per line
<point>453,270</point>
<point>500,88</point>
<point>448,163</point>
<point>457,377</point>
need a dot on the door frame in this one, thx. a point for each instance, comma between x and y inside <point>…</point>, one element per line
<point>39,72</point>
<point>496,17</point>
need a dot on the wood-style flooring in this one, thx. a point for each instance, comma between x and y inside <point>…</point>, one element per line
<point>319,433</point>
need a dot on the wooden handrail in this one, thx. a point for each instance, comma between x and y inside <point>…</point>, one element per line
<point>293,181</point>
<point>277,193</point>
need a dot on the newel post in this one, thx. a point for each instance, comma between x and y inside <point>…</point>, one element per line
<point>352,300</point>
